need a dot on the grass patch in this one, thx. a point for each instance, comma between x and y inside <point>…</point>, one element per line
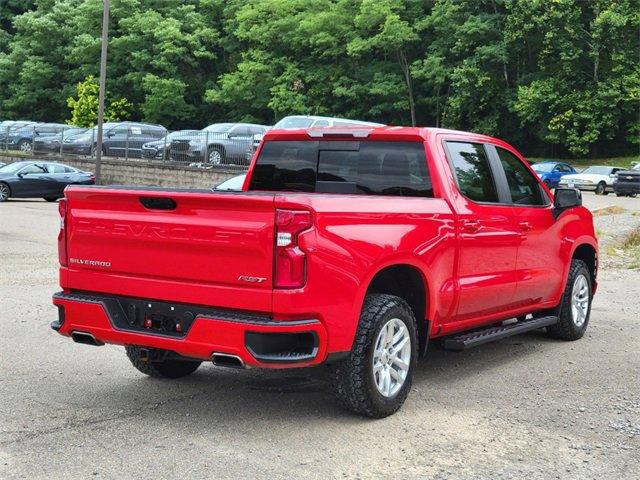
<point>612,210</point>
<point>631,246</point>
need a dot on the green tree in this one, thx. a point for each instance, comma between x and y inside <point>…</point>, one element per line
<point>84,108</point>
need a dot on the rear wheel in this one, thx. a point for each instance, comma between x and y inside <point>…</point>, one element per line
<point>5,192</point>
<point>601,188</point>
<point>167,368</point>
<point>575,307</point>
<point>375,379</point>
<point>51,199</point>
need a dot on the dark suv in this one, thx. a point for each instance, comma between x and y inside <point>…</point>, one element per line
<point>220,143</point>
<point>122,139</point>
<point>627,182</point>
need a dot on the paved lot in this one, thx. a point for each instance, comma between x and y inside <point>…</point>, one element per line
<point>527,406</point>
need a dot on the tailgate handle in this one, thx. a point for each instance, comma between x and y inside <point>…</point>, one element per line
<point>158,203</point>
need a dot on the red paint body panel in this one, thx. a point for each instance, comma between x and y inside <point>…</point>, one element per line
<point>199,253</point>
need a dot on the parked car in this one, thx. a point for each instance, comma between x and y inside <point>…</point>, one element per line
<point>217,144</point>
<point>160,148</point>
<point>596,178</point>
<point>352,250</point>
<point>9,127</point>
<point>39,179</point>
<point>627,182</point>
<point>231,184</point>
<point>23,138</point>
<point>551,172</point>
<point>51,143</point>
<point>120,139</point>
<point>314,121</point>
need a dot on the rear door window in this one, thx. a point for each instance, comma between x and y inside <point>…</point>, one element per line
<point>368,168</point>
<point>472,171</point>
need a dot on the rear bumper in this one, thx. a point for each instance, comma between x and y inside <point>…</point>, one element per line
<point>257,340</point>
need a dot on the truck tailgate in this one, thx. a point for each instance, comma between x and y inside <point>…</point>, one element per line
<point>173,245</point>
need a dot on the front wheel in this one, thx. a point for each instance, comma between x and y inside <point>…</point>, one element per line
<point>5,193</point>
<point>216,155</point>
<point>51,199</point>
<point>24,146</point>
<point>167,368</point>
<point>575,306</point>
<point>375,379</point>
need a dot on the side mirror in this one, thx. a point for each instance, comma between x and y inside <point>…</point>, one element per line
<point>564,199</point>
<point>110,133</point>
<point>21,174</point>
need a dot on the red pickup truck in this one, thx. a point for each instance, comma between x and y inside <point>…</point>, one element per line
<point>352,248</point>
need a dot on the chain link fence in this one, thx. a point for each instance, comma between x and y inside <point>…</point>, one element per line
<point>192,148</point>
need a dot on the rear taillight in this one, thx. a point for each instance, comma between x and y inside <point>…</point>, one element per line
<point>290,269</point>
<point>62,235</point>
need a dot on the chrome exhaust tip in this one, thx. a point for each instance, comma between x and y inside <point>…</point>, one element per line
<point>85,338</point>
<point>227,360</point>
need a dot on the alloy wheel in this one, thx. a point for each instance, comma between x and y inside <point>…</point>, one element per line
<point>215,157</point>
<point>391,357</point>
<point>580,300</point>
<point>4,192</point>
<point>25,147</point>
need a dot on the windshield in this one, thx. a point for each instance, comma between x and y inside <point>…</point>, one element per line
<point>13,167</point>
<point>294,122</point>
<point>542,167</point>
<point>597,170</point>
<point>218,128</point>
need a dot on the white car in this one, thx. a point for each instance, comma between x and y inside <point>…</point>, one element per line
<point>597,178</point>
<point>315,121</point>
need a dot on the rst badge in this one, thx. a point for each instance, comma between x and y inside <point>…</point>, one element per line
<point>246,278</point>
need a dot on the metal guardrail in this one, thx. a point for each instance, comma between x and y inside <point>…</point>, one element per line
<point>194,148</point>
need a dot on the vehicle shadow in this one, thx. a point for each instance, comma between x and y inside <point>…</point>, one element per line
<point>214,397</point>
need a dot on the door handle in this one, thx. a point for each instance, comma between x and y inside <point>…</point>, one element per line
<point>471,226</point>
<point>525,226</point>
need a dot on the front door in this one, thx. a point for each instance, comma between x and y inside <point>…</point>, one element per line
<point>539,267</point>
<point>488,238</point>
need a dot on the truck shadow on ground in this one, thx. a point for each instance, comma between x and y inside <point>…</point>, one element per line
<point>213,397</point>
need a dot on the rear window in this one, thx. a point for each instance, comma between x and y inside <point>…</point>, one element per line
<point>368,168</point>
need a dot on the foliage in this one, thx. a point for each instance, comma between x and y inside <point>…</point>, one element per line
<point>557,77</point>
<point>84,108</point>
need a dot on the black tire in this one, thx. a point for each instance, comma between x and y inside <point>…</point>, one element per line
<point>5,192</point>
<point>601,188</point>
<point>51,199</point>
<point>353,378</point>
<point>161,369</point>
<point>216,155</point>
<point>566,328</point>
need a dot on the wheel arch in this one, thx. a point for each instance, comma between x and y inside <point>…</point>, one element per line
<point>408,282</point>
<point>589,255</point>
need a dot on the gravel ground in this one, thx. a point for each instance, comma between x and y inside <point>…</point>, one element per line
<point>527,406</point>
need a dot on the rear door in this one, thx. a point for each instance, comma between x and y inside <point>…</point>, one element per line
<point>539,266</point>
<point>488,239</point>
<point>190,247</point>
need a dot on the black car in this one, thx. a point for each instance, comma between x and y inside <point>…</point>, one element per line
<point>22,138</point>
<point>51,143</point>
<point>39,179</point>
<point>627,182</point>
<point>120,139</point>
<point>160,148</point>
